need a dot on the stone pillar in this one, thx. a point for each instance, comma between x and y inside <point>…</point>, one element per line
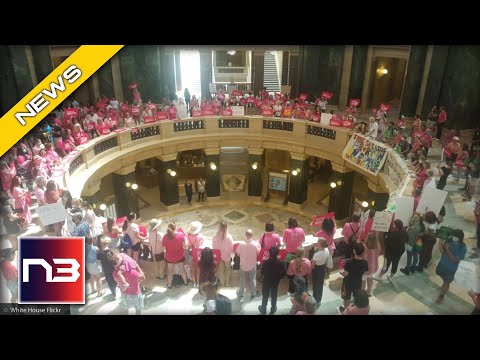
<point>8,86</point>
<point>298,188</point>
<point>43,61</point>
<point>258,60</point>
<point>117,78</point>
<point>206,76</point>
<point>366,80</point>
<point>105,80</point>
<point>126,200</point>
<point>213,176</point>
<point>413,80</point>
<point>438,64</point>
<point>346,73</point>
<point>255,182</point>
<point>357,75</point>
<point>340,200</point>
<point>286,59</point>
<point>426,71</point>
<point>168,184</point>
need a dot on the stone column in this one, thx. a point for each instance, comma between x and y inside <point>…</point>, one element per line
<point>168,184</point>
<point>346,73</point>
<point>426,71</point>
<point>413,80</point>
<point>255,182</point>
<point>340,200</point>
<point>117,77</point>
<point>126,200</point>
<point>42,60</point>
<point>357,75</point>
<point>295,71</point>
<point>366,80</point>
<point>258,60</point>
<point>298,188</point>
<point>206,76</point>
<point>213,176</point>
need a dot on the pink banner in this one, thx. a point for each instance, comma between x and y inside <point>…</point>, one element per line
<point>197,113</point>
<point>113,121</point>
<point>148,119</point>
<point>250,100</point>
<point>125,108</point>
<point>243,101</point>
<point>71,112</point>
<point>327,95</point>
<point>336,122</point>
<point>354,102</point>
<point>135,110</point>
<point>104,130</point>
<point>210,111</point>
<point>267,112</point>
<point>348,123</point>
<point>237,93</point>
<point>318,220</point>
<point>227,112</point>
<point>161,115</point>
<point>82,139</point>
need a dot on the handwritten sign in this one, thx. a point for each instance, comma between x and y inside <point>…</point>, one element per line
<point>431,200</point>
<point>365,153</point>
<point>51,213</point>
<point>238,110</point>
<point>382,221</point>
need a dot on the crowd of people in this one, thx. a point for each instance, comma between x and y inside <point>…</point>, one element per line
<point>113,251</point>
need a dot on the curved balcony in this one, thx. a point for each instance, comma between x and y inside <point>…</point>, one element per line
<point>164,139</point>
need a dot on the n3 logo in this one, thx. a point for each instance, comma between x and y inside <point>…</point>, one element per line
<point>51,270</point>
<point>72,270</point>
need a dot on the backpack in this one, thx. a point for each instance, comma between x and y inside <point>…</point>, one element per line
<point>354,236</point>
<point>223,305</point>
<point>126,242</point>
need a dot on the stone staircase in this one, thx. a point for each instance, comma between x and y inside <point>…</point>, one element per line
<point>270,80</point>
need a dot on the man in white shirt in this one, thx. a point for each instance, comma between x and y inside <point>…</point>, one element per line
<point>321,259</point>
<point>114,104</point>
<point>373,131</point>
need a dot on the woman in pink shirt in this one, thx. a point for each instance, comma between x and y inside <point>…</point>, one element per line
<point>300,266</point>
<point>102,128</point>
<point>137,98</point>
<point>51,156</point>
<point>194,241</point>
<point>442,118</point>
<point>7,173</point>
<point>328,233</point>
<point>223,241</point>
<point>293,237</point>
<point>270,238</point>
<point>21,198</point>
<point>175,245</point>
<point>371,254</point>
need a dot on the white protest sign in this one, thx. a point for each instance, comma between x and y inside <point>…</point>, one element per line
<point>212,87</point>
<point>468,275</point>
<point>382,220</point>
<point>431,200</point>
<point>51,213</point>
<point>325,118</point>
<point>238,110</point>
<point>404,209</point>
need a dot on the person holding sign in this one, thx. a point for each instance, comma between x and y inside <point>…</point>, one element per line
<point>453,251</point>
<point>394,249</point>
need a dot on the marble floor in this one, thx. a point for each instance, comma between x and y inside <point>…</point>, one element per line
<point>412,295</point>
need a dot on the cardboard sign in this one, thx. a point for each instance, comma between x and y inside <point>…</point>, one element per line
<point>318,220</point>
<point>197,113</point>
<point>237,93</point>
<point>347,123</point>
<point>354,102</point>
<point>303,96</point>
<point>382,221</point>
<point>327,95</point>
<point>336,122</point>
<point>227,112</point>
<point>404,209</point>
<point>209,112</point>
<point>267,112</point>
<point>148,119</point>
<point>51,213</point>
<point>238,110</point>
<point>431,200</point>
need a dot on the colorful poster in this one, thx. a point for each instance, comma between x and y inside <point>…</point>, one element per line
<point>277,181</point>
<point>382,221</point>
<point>365,153</point>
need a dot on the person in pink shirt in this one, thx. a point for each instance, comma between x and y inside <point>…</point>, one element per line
<point>442,118</point>
<point>248,253</point>
<point>269,238</point>
<point>38,146</point>
<point>7,173</point>
<point>194,241</point>
<point>51,156</point>
<point>175,245</point>
<point>328,233</point>
<point>293,237</point>
<point>223,241</point>
<point>371,254</point>
<point>172,112</point>
<point>351,233</point>
<point>360,304</point>
<point>39,190</point>
<point>137,98</point>
<point>300,266</point>
<point>21,198</point>
<point>310,307</point>
<point>367,226</point>
<point>102,128</point>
